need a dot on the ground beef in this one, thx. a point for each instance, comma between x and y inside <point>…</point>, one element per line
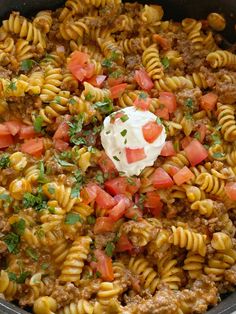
<point>226,92</point>
<point>65,294</point>
<point>102,239</point>
<point>194,94</point>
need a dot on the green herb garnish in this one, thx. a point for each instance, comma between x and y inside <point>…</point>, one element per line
<point>26,65</point>
<point>123,132</point>
<point>105,106</point>
<point>165,62</point>
<point>12,240</point>
<point>218,155</point>
<point>110,247</point>
<point>4,161</point>
<point>72,219</point>
<point>32,253</point>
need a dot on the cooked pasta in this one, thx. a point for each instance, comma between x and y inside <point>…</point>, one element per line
<point>78,236</point>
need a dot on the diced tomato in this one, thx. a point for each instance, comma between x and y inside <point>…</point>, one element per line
<point>116,186</point>
<point>104,200</point>
<point>89,193</point>
<point>60,145</point>
<point>80,67</point>
<point>128,201</point>
<point>230,189</point>
<point>134,154</point>
<point>142,102</point>
<point>186,141</point>
<point>6,140</point>
<point>118,210</point>
<point>97,80</point>
<point>62,132</point>
<point>134,213</point>
<point>163,113</point>
<point>4,130</point>
<point>161,180</point>
<point>201,132</point>
<point>143,80</point>
<point>195,152</point>
<point>27,132</point>
<point>107,165</point>
<point>104,265</point>
<point>172,170</point>
<point>133,185</point>
<point>164,43</point>
<point>151,131</point>
<point>33,147</point>
<point>123,244</point>
<point>103,225</point>
<point>13,126</point>
<point>168,149</point>
<point>115,81</point>
<point>153,202</point>
<point>117,90</point>
<point>183,175</point>
<point>208,101</point>
<point>169,100</point>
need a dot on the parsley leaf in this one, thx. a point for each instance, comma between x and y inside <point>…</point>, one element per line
<point>35,201</point>
<point>63,163</point>
<point>165,62</point>
<point>110,247</point>
<point>88,96</point>
<point>19,227</point>
<point>38,122</point>
<point>26,65</point>
<point>218,155</point>
<point>23,276</point>
<point>116,74</point>
<point>32,253</point>
<point>4,161</point>
<point>107,63</point>
<point>72,219</point>
<point>72,101</point>
<point>91,220</point>
<point>12,276</point>
<point>12,240</point>
<point>105,106</point>
<point>197,135</point>
<point>45,266</point>
<point>75,128</point>
<point>12,85</point>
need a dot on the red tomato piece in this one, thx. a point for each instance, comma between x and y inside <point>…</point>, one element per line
<point>89,70</point>
<point>27,132</point>
<point>128,201</point>
<point>163,42</point>
<point>157,210</point>
<point>152,199</point>
<point>116,186</point>
<point>201,132</point>
<point>77,63</point>
<point>208,101</point>
<point>134,213</point>
<point>142,102</point>
<point>60,145</point>
<point>183,175</point>
<point>89,193</point>
<point>62,132</point>
<point>6,140</point>
<point>134,154</point>
<point>186,141</point>
<point>143,80</point>
<point>161,180</point>
<point>13,126</point>
<point>97,80</point>
<point>195,152</point>
<point>163,113</point>
<point>168,149</point>
<point>104,200</point>
<point>169,100</point>
<point>107,165</point>
<point>172,170</point>
<point>104,265</point>
<point>230,189</point>
<point>33,147</point>
<point>115,81</point>
<point>151,131</point>
<point>117,90</point>
<point>103,225</point>
<point>118,210</point>
<point>4,130</point>
<point>133,185</point>
<point>123,244</point>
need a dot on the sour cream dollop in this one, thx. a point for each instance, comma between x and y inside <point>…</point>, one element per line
<point>122,133</point>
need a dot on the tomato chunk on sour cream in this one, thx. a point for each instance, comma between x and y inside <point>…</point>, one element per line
<point>124,139</point>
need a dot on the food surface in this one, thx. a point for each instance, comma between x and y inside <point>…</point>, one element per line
<point>117,161</point>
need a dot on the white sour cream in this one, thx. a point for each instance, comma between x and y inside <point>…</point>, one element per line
<point>126,132</point>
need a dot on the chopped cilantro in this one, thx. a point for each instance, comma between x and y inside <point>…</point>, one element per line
<point>12,86</point>
<point>75,128</point>
<point>131,181</point>
<point>79,179</point>
<point>114,55</point>
<point>158,120</point>
<point>57,100</point>
<point>176,146</point>
<point>91,220</point>
<point>51,209</point>
<point>75,191</point>
<point>66,154</point>
<point>72,219</point>
<point>32,253</point>
<point>12,240</point>
<point>72,101</point>
<point>40,233</point>
<point>116,158</point>
<point>99,177</point>
<point>124,118</point>
<point>98,274</point>
<point>143,95</point>
<point>218,155</point>
<point>4,161</point>
<point>63,163</point>
<point>123,132</point>
<point>216,139</point>
<point>23,276</point>
<point>38,122</point>
<point>116,74</point>
<point>141,200</point>
<point>188,116</point>
<point>105,106</point>
<point>110,247</point>
<point>26,65</point>
<point>35,201</point>
<point>107,63</point>
<point>197,135</point>
<point>51,189</point>
<point>189,103</point>
<point>88,96</point>
<point>19,227</point>
<point>44,266</point>
<point>165,62</point>
<point>41,177</point>
<point>12,276</point>
<point>5,197</point>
